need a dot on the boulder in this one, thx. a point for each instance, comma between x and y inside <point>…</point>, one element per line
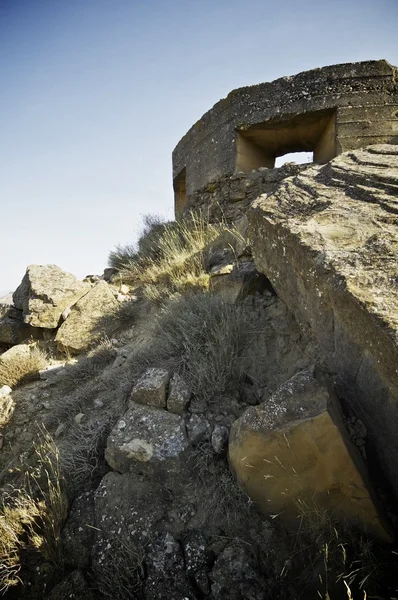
<point>45,292</point>
<point>13,331</point>
<point>150,389</point>
<point>179,395</point>
<point>78,533</point>
<point>15,353</point>
<point>148,440</point>
<point>235,282</point>
<point>83,326</point>
<point>292,454</point>
<point>327,239</point>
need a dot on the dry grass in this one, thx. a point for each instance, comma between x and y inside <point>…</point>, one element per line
<point>4,308</point>
<point>122,574</point>
<point>31,519</point>
<point>326,554</point>
<point>6,410</point>
<point>23,368</point>
<point>205,340</point>
<point>80,454</point>
<point>173,257</point>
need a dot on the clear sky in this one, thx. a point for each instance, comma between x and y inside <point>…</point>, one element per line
<point>95,94</point>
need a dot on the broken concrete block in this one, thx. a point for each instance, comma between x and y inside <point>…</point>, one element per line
<point>293,451</point>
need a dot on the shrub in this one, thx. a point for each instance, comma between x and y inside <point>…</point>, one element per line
<point>202,338</point>
<point>147,246</point>
<point>172,257</point>
<point>22,368</point>
<point>80,454</point>
<point>32,518</point>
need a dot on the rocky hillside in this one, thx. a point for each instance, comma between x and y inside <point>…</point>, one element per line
<point>214,417</point>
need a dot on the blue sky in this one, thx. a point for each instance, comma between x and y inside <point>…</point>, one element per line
<point>95,94</point>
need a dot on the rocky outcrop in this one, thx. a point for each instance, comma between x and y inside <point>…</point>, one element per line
<point>80,328</point>
<point>45,292</point>
<point>292,454</point>
<point>327,239</point>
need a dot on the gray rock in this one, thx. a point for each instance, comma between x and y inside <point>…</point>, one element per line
<point>83,325</point>
<point>150,389</point>
<point>179,395</point>
<point>219,439</point>
<point>234,576</point>
<point>14,331</point>
<point>16,352</point>
<point>5,391</point>
<point>128,514</point>
<point>166,573</point>
<point>73,587</point>
<point>51,371</point>
<point>147,439</point>
<point>195,551</point>
<point>198,429</point>
<point>78,533</point>
<point>45,292</point>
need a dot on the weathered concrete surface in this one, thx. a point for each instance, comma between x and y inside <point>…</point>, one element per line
<point>45,292</point>
<point>83,324</point>
<point>292,456</point>
<point>233,283</point>
<point>327,239</point>
<point>328,111</point>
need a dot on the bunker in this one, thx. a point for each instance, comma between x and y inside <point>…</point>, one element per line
<point>325,111</point>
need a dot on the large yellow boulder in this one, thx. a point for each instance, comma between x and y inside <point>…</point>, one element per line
<point>294,458</point>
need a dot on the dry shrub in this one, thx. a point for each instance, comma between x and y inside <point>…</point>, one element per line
<point>171,257</point>
<point>6,409</point>
<point>327,554</point>
<point>81,452</point>
<point>147,246</point>
<point>121,573</point>
<point>204,339</point>
<point>32,517</point>
<point>21,369</point>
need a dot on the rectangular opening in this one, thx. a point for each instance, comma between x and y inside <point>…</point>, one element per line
<point>260,144</point>
<point>300,158</point>
<point>180,193</point>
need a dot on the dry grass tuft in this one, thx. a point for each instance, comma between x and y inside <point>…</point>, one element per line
<point>122,570</point>
<point>31,519</point>
<point>21,369</point>
<point>171,257</point>
<point>80,454</point>
<point>204,339</point>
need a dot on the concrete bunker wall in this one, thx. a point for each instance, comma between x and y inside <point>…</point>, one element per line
<point>327,111</point>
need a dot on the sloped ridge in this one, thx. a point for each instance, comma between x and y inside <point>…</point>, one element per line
<point>327,239</point>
